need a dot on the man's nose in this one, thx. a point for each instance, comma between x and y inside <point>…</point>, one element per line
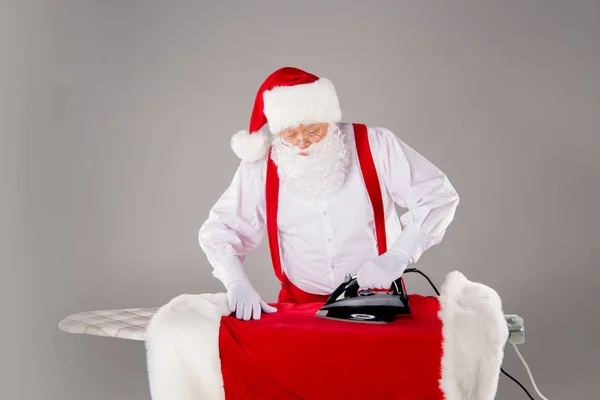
<point>303,144</point>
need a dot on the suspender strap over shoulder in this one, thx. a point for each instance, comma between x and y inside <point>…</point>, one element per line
<point>369,173</point>
<point>271,209</point>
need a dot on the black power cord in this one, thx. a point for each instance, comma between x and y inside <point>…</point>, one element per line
<point>410,270</point>
<point>517,382</point>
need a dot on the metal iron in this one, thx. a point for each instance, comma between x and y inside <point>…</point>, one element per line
<point>348,303</point>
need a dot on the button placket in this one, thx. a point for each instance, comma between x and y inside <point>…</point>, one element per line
<point>329,244</point>
<point>328,233</point>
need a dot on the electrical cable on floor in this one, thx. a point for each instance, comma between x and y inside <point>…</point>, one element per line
<point>409,270</point>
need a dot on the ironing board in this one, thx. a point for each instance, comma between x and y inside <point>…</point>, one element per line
<point>189,342</point>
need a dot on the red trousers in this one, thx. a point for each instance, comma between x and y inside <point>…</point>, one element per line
<point>289,293</point>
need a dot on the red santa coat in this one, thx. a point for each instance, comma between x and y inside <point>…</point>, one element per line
<point>196,351</point>
<point>449,348</point>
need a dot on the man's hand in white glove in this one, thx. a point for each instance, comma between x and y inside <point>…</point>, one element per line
<point>245,301</point>
<point>380,272</point>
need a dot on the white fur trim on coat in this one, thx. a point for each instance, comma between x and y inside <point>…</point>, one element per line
<point>289,106</point>
<point>182,348</point>
<point>475,333</point>
<point>182,341</point>
<point>250,147</point>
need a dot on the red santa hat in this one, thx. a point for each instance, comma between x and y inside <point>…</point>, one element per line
<point>287,98</point>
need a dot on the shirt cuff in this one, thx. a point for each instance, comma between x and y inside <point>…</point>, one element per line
<point>410,243</point>
<point>229,269</point>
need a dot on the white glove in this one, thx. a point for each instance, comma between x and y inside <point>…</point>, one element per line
<point>382,271</point>
<point>245,301</point>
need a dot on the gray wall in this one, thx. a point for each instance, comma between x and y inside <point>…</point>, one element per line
<point>116,119</point>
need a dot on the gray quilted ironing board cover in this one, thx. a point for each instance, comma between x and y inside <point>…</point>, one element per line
<point>128,323</point>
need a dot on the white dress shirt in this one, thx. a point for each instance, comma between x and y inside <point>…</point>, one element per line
<point>321,241</point>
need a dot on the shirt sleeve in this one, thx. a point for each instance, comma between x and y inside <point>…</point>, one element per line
<point>235,224</point>
<point>419,186</point>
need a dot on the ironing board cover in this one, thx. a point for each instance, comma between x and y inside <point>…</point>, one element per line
<point>127,323</point>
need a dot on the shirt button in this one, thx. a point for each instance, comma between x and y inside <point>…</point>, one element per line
<point>332,266</point>
<point>329,240</point>
<point>324,212</point>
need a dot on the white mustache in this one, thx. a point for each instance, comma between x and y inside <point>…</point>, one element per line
<point>312,149</point>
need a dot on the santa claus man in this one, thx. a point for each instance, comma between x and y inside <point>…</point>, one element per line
<point>324,192</point>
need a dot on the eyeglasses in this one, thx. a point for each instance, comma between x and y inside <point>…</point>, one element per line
<point>313,133</point>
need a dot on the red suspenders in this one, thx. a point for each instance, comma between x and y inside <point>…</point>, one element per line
<point>369,173</point>
<point>370,178</point>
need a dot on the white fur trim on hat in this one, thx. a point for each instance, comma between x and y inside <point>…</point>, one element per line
<point>287,106</point>
<point>250,147</point>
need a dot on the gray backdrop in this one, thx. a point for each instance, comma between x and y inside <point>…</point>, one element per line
<point>116,118</point>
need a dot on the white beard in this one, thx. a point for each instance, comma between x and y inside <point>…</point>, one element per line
<point>318,175</point>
